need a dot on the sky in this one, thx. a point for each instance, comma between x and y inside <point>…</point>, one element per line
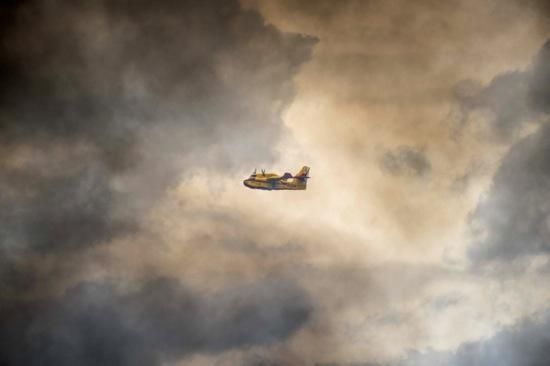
<point>128,238</point>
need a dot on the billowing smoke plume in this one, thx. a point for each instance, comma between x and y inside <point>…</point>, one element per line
<point>512,221</point>
<point>525,344</point>
<point>97,324</point>
<point>103,106</point>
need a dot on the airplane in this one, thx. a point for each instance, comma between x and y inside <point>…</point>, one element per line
<point>271,181</point>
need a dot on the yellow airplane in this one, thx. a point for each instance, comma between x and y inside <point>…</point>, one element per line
<point>271,181</point>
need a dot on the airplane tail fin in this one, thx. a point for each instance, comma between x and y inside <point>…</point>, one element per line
<point>303,174</point>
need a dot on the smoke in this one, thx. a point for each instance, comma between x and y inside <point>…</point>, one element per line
<point>539,89</point>
<point>98,324</point>
<point>103,107</point>
<point>511,99</point>
<point>512,220</point>
<point>117,118</point>
<point>405,161</point>
<point>524,344</point>
<point>503,101</point>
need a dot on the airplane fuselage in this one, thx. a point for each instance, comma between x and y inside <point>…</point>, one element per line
<point>274,184</point>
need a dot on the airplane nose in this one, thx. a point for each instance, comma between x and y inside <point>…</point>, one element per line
<point>245,182</point>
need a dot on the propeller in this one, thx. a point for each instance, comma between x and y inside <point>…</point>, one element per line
<point>254,172</point>
<point>263,171</point>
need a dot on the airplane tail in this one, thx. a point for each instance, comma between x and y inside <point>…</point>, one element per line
<point>303,174</point>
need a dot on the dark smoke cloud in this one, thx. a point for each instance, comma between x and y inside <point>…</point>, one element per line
<point>512,221</point>
<point>135,94</point>
<point>103,106</point>
<point>504,100</point>
<point>527,343</point>
<point>524,344</point>
<point>511,99</point>
<point>98,324</point>
<point>539,85</point>
<point>405,160</point>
